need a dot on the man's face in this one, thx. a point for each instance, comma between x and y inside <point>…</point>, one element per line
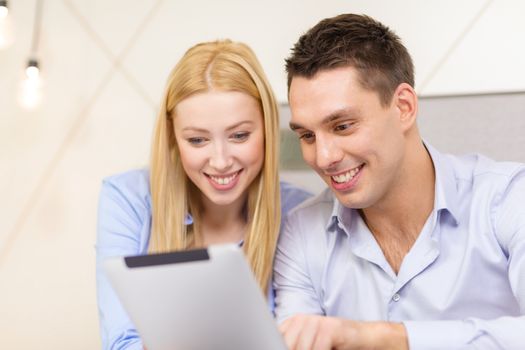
<point>354,143</point>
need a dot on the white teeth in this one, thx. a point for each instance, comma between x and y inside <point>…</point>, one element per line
<point>349,175</point>
<point>223,180</point>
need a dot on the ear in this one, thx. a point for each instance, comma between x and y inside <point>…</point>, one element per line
<point>405,100</point>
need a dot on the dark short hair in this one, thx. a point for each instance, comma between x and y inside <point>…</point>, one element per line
<point>359,41</point>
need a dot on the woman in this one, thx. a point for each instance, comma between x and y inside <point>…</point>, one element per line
<point>213,176</point>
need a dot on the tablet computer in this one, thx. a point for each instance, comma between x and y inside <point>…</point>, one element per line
<point>195,300</point>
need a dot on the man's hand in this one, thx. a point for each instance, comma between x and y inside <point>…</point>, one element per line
<point>309,332</point>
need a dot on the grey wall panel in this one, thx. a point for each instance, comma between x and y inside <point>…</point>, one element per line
<point>490,124</point>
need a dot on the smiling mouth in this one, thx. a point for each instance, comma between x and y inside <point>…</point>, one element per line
<point>346,176</point>
<point>225,179</point>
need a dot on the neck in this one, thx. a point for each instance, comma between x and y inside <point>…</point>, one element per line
<point>397,219</point>
<point>223,223</point>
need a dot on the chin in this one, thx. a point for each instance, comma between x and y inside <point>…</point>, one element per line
<point>350,201</point>
<point>224,199</point>
<point>221,201</point>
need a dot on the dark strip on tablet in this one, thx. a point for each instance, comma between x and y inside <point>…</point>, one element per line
<point>167,258</point>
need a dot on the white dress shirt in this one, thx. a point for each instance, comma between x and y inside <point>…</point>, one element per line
<point>461,285</point>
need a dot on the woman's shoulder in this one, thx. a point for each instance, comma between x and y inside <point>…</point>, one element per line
<point>133,185</point>
<point>124,214</point>
<point>292,195</point>
<point>135,181</point>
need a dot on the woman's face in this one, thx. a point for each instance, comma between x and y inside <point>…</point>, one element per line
<point>220,135</point>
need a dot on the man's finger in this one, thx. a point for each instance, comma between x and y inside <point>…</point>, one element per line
<point>292,332</point>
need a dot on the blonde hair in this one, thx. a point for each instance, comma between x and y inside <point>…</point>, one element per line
<point>225,66</point>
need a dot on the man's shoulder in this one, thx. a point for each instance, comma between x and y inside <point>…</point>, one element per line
<point>484,171</point>
<point>505,170</point>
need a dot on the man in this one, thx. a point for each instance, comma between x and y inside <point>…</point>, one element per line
<point>408,248</point>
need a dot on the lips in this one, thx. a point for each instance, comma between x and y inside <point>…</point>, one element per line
<point>224,182</point>
<point>346,180</point>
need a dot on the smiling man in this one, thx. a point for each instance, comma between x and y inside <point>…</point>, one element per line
<point>408,247</point>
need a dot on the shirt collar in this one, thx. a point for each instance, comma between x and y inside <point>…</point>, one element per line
<point>446,189</point>
<point>188,220</point>
<point>446,192</point>
<point>340,213</point>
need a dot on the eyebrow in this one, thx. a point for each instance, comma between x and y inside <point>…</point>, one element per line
<point>330,118</point>
<point>236,125</point>
<point>192,128</point>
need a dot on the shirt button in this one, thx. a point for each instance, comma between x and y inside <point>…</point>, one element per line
<point>396,297</point>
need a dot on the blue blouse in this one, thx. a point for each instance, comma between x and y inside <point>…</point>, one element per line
<point>123,228</point>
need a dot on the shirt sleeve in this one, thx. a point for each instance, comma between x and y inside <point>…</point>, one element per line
<point>505,333</point>
<point>118,231</point>
<point>295,292</point>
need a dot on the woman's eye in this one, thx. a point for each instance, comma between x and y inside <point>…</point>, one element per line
<point>240,136</point>
<point>196,141</point>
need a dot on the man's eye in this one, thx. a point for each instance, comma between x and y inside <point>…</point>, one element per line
<point>343,127</point>
<point>240,136</point>
<point>196,141</point>
<point>307,137</point>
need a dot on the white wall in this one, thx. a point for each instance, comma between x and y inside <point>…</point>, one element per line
<point>105,64</point>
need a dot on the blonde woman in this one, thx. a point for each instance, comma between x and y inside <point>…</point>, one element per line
<point>213,176</point>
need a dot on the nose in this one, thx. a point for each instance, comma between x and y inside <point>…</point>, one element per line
<point>221,159</point>
<point>328,152</point>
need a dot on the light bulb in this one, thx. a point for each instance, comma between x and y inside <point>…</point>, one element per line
<point>32,70</point>
<point>30,94</point>
<point>6,29</point>
<point>4,10</point>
